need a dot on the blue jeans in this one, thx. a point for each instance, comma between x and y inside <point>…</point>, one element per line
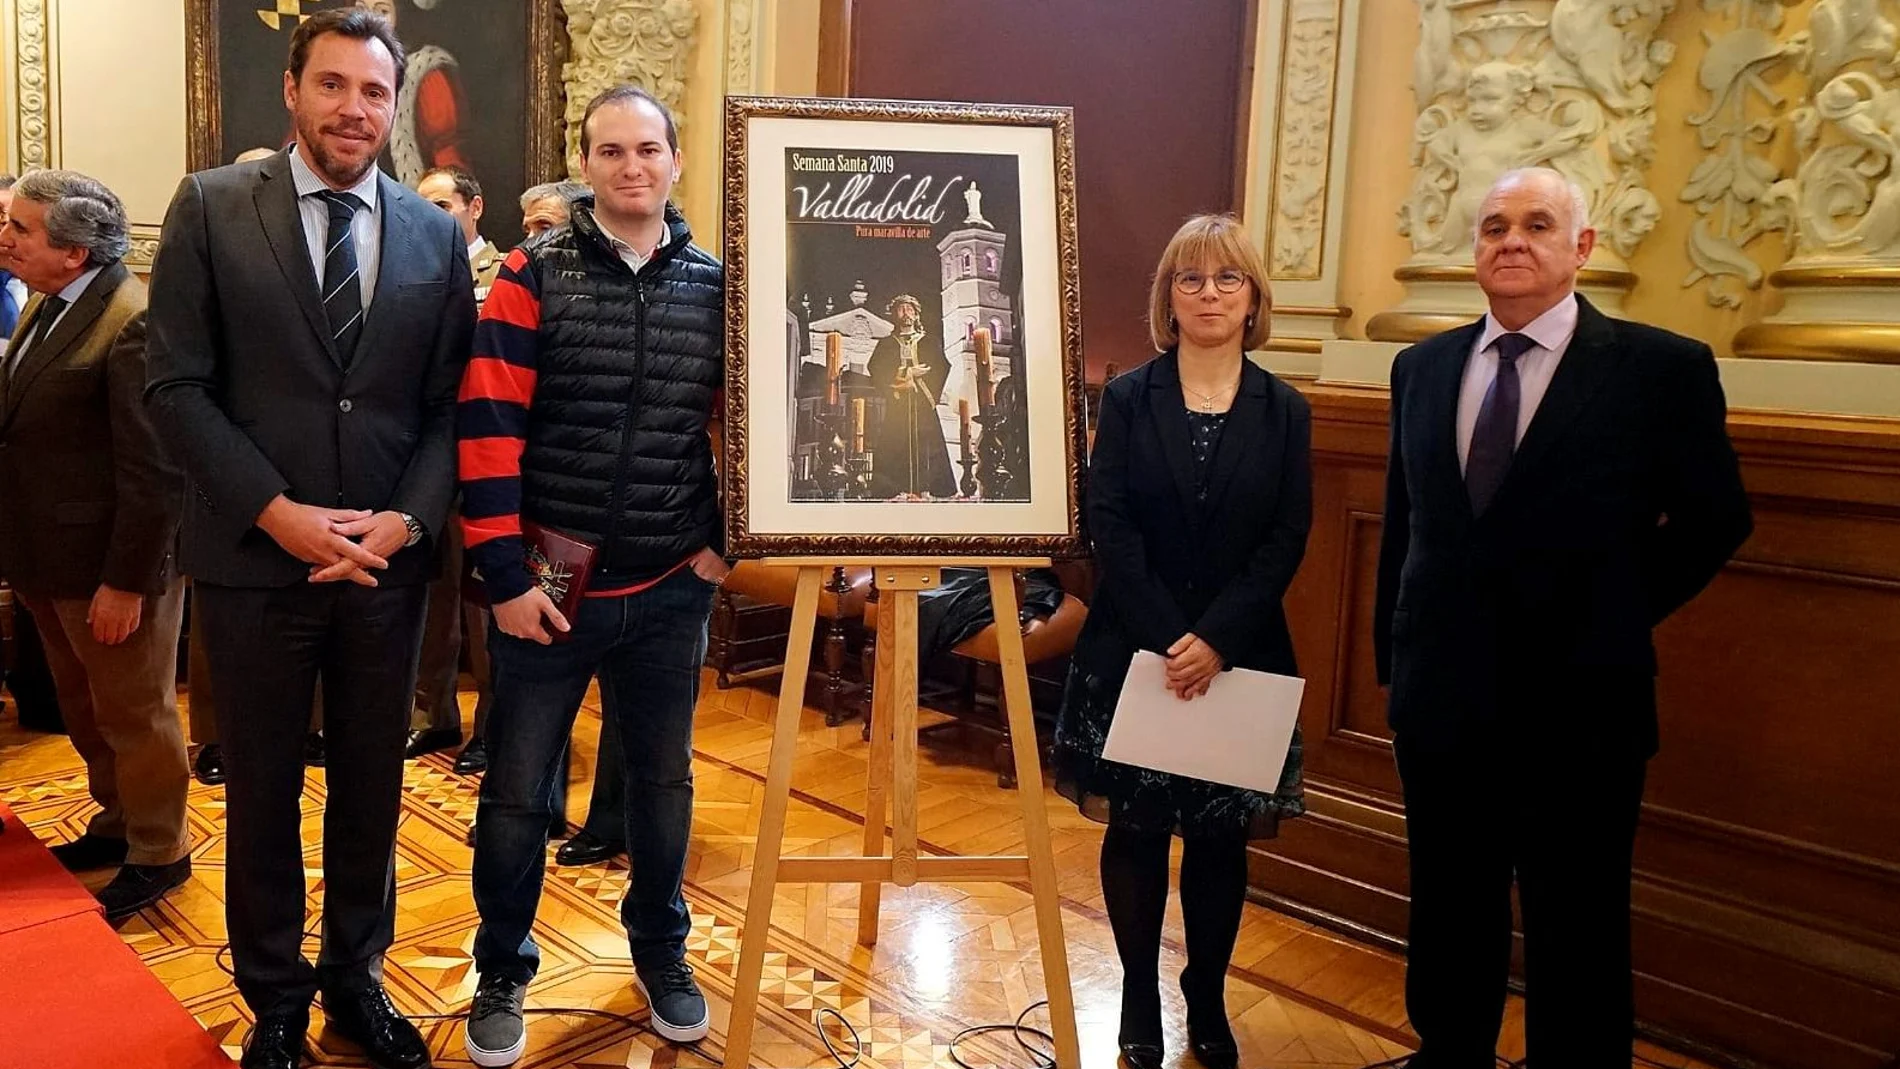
<point>647,649</point>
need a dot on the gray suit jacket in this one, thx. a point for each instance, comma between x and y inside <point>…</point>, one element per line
<point>254,399</point>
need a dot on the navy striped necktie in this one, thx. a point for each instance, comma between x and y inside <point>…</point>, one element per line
<point>342,292</point>
<point>1494,436</point>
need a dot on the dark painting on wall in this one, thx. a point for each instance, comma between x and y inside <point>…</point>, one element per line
<point>480,90</point>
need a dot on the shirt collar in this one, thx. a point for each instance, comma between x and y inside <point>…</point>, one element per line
<point>77,287</point>
<point>307,181</point>
<point>1551,331</point>
<point>475,247</point>
<point>626,250</point>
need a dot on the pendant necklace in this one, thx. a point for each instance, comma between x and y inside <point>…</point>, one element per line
<point>1208,399</point>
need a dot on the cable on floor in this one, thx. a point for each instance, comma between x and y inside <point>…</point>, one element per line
<point>1040,1058</point>
<point>857,1042</point>
<point>1044,1058</point>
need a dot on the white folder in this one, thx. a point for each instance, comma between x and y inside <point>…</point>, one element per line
<point>1238,733</point>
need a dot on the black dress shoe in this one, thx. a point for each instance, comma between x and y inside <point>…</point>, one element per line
<point>209,767</point>
<point>277,1041</point>
<point>428,742</point>
<point>45,720</point>
<point>363,1014</point>
<point>1142,1055</point>
<point>1219,1052</point>
<point>90,852</point>
<point>473,758</point>
<point>313,750</point>
<point>138,886</point>
<point>1210,1036</point>
<point>586,848</point>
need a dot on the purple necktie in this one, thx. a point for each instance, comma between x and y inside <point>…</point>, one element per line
<point>1494,437</point>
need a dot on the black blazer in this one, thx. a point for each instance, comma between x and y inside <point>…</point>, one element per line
<point>1623,501</point>
<point>1171,564</point>
<point>252,396</point>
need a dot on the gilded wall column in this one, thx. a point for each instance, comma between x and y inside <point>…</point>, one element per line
<point>1840,210</point>
<point>1304,59</point>
<point>646,42</point>
<point>1500,84</point>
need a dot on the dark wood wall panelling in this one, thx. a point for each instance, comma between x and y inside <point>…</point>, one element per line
<point>1158,123</point>
<point>1768,865</point>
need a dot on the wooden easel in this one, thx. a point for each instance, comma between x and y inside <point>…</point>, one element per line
<point>893,768</point>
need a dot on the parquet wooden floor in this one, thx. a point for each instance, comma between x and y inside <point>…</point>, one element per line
<point>948,956</point>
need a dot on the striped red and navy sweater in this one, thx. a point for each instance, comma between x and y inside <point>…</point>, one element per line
<point>586,403</point>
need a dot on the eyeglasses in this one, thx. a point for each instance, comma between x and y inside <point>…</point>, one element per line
<point>1192,282</point>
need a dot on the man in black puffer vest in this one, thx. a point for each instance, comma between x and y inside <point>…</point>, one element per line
<point>585,411</point>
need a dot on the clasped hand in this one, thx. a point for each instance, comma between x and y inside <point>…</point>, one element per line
<point>337,543</point>
<point>1192,666</point>
<point>908,375</point>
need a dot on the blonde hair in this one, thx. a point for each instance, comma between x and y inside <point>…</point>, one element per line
<point>1220,239</point>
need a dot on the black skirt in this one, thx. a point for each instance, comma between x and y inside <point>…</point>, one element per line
<point>1160,803</point>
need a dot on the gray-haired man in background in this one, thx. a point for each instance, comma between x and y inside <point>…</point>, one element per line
<point>90,513</point>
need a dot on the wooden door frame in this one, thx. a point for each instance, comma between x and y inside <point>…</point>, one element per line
<point>835,43</point>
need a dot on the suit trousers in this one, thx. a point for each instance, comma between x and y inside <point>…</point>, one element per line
<point>201,710</point>
<point>1563,825</point>
<point>29,680</point>
<point>452,625</point>
<point>121,706</point>
<point>266,649</point>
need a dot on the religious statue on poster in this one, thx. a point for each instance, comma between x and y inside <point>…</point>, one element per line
<point>913,460</point>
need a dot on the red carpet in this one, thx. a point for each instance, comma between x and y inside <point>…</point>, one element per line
<point>72,995</point>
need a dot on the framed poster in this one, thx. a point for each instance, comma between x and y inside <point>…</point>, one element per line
<point>481,90</point>
<point>904,356</point>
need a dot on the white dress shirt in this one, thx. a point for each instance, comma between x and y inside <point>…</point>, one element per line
<point>366,228</point>
<point>20,293</point>
<point>1551,331</point>
<point>629,255</point>
<point>72,292</point>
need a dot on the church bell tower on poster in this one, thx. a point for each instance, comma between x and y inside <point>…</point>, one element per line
<point>972,261</point>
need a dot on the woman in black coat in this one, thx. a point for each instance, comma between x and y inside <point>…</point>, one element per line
<point>1199,501</point>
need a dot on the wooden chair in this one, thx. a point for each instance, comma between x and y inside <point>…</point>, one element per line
<point>840,606</point>
<point>1054,639</point>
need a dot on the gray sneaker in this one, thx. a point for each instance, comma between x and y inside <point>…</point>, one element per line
<point>496,1033</point>
<point>677,1009</point>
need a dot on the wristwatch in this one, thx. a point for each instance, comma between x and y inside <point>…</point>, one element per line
<point>413,526</point>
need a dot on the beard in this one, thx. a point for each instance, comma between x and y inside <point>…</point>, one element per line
<point>337,170</point>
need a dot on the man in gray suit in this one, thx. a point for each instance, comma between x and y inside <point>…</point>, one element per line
<point>309,322</point>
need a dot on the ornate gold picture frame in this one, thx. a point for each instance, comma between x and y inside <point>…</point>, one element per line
<point>482,89</point>
<point>903,330</point>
